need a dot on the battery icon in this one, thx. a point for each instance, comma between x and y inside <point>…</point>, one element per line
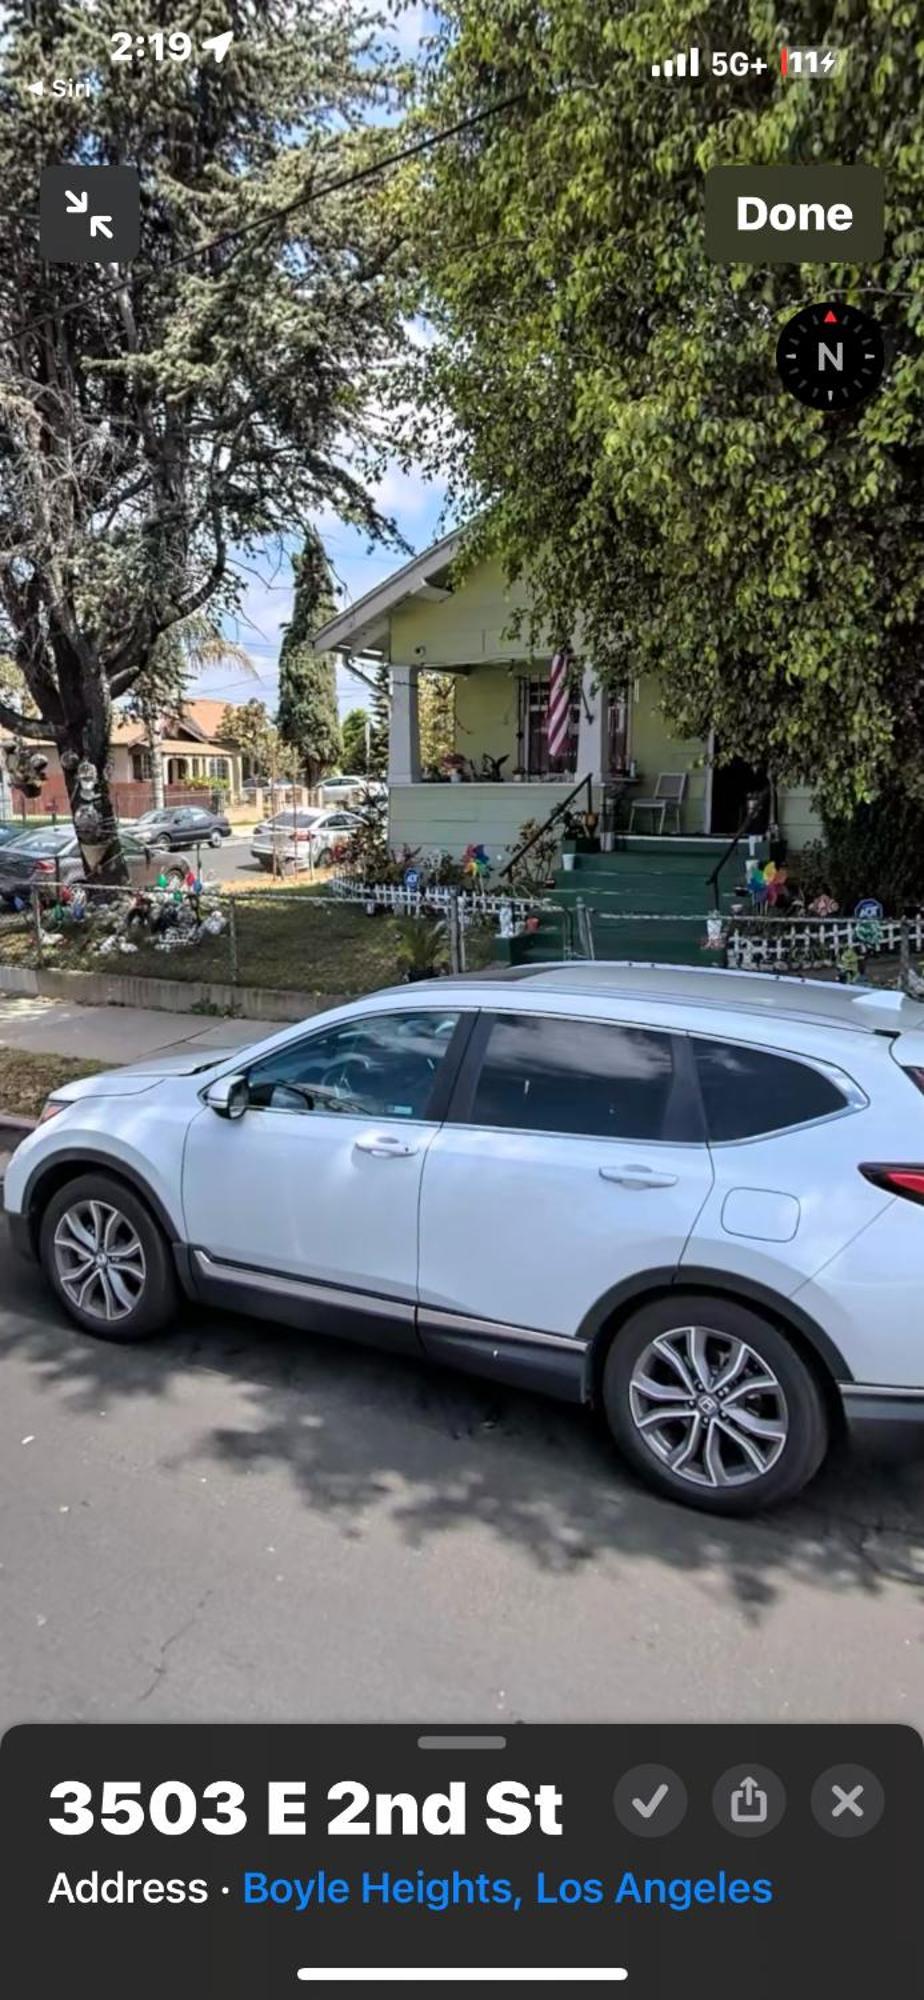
<point>798,63</point>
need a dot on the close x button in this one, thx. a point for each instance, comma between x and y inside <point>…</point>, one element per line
<point>89,215</point>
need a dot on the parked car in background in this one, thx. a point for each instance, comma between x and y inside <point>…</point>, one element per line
<point>181,826</point>
<point>349,791</point>
<point>11,830</point>
<point>695,1198</point>
<point>50,858</point>
<point>309,838</point>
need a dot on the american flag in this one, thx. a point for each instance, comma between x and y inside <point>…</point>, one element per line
<point>560,703</point>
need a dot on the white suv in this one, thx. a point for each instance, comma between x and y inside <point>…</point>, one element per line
<point>692,1196</point>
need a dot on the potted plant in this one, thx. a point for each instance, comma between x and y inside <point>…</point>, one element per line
<point>455,764</point>
<point>421,950</point>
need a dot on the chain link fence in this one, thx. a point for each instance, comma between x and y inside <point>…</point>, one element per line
<point>345,936</point>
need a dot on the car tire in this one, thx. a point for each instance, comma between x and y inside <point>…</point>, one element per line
<point>707,1447</point>
<point>136,1294</point>
<point>325,859</point>
<point>215,838</point>
<point>160,846</point>
<point>265,863</point>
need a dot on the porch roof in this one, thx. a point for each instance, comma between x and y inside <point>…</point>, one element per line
<point>364,628</point>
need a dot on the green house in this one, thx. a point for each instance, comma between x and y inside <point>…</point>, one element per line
<point>427,618</point>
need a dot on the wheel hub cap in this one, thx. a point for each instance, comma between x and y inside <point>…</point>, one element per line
<point>708,1407</point>
<point>99,1260</point>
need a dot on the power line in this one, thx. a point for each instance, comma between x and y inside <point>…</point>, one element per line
<point>342,182</point>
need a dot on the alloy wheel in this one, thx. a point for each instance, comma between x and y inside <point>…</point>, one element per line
<point>99,1260</point>
<point>708,1407</point>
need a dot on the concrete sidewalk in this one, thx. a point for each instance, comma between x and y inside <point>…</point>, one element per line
<point>116,1034</point>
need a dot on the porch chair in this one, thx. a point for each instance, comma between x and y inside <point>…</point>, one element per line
<point>668,797</point>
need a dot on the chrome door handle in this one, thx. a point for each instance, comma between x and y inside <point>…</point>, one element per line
<point>632,1176</point>
<point>383,1146</point>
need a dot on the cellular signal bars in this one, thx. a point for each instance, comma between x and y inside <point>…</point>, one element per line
<point>683,64</point>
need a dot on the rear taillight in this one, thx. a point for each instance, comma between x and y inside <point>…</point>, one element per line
<point>50,1109</point>
<point>44,868</point>
<point>907,1181</point>
<point>915,1076</point>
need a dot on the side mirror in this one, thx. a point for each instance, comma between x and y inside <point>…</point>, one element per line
<point>229,1096</point>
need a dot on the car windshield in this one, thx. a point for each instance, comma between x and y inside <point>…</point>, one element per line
<point>50,840</point>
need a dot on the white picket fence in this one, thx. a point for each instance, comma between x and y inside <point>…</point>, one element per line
<point>474,905</point>
<point>778,941</point>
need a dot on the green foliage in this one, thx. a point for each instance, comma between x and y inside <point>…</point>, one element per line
<point>879,851</point>
<point>437,704</point>
<point>308,716</point>
<point>614,403</point>
<point>154,428</point>
<point>251,727</point>
<point>533,871</point>
<point>354,742</point>
<point>422,948</point>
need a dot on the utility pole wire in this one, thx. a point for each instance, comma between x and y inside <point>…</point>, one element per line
<point>142,276</point>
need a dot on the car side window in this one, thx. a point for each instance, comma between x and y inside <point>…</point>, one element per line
<point>747,1091</point>
<point>382,1065</point>
<point>546,1073</point>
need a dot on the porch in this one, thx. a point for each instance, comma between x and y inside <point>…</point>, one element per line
<point>501,715</point>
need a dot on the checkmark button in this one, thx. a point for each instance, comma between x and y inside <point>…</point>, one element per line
<point>650,1801</point>
<point>646,1808</point>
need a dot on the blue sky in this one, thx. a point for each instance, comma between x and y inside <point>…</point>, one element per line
<point>414,503</point>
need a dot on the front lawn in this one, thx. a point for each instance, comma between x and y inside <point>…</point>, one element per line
<point>285,938</point>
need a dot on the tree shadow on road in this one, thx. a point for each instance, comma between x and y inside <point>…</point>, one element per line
<point>361,1436</point>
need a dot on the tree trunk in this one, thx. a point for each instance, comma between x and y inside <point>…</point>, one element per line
<point>92,809</point>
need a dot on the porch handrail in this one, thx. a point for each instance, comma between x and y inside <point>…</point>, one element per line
<point>583,784</point>
<point>712,881</point>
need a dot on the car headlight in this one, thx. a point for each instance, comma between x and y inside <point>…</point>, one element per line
<point>50,1109</point>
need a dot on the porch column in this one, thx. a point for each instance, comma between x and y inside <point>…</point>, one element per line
<point>404,728</point>
<point>593,734</point>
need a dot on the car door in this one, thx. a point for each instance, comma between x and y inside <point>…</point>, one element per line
<point>572,1161</point>
<point>317,1186</point>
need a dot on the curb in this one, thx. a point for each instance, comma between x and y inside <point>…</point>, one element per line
<point>170,996</point>
<point>11,1122</point>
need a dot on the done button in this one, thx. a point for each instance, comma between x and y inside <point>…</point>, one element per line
<point>794,215</point>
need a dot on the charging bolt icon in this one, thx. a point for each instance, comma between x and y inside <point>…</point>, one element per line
<point>749,1805</point>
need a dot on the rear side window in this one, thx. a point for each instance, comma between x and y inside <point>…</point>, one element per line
<point>544,1073</point>
<point>750,1091</point>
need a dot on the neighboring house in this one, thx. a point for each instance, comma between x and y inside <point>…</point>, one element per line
<point>195,758</point>
<point>422,618</point>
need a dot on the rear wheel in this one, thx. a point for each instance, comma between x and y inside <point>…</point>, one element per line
<point>713,1405</point>
<point>325,859</point>
<point>107,1259</point>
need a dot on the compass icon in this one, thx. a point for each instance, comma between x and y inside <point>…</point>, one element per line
<point>830,356</point>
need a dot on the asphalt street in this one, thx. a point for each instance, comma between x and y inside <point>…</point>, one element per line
<point>237,1522</point>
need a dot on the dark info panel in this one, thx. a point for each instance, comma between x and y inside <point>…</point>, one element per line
<point>256,1863</point>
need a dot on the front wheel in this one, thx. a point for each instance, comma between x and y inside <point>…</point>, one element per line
<point>107,1259</point>
<point>215,838</point>
<point>712,1404</point>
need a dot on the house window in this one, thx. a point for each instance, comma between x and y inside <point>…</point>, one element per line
<point>534,731</point>
<point>141,765</point>
<point>218,767</point>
